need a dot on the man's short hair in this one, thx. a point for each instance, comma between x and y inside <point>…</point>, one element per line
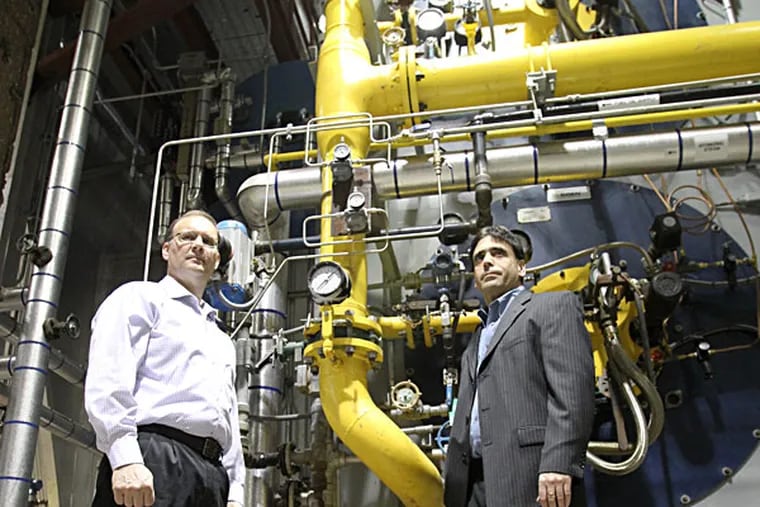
<point>192,213</point>
<point>519,241</point>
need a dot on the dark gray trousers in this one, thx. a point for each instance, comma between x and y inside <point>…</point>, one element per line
<point>181,476</point>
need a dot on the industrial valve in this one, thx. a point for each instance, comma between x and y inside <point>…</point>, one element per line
<point>405,395</point>
<point>69,328</point>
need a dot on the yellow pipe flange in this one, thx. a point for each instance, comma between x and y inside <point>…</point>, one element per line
<point>363,349</point>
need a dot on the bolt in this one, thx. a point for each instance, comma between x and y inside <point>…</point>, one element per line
<point>350,350</point>
<point>726,471</point>
<point>634,188</point>
<point>372,356</point>
<point>715,227</point>
<point>756,433</point>
<point>685,499</point>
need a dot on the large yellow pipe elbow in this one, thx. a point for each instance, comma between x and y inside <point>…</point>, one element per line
<point>344,75</point>
<point>369,433</point>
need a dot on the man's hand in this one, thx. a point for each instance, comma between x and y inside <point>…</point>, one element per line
<point>554,490</point>
<point>133,486</point>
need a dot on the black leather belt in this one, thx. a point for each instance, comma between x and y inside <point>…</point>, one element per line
<point>208,448</point>
<point>476,470</point>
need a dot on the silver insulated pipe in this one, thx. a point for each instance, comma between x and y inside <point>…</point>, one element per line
<point>267,379</point>
<point>30,371</point>
<point>518,165</point>
<point>59,425</point>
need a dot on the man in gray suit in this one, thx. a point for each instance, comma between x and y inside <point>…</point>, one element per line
<point>526,394</point>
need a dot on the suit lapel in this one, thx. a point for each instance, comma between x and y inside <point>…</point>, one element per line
<point>515,309</point>
<point>471,356</point>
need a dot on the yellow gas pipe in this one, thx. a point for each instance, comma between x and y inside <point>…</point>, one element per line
<point>344,362</point>
<point>613,63</point>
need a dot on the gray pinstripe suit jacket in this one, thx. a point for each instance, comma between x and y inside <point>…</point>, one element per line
<point>536,396</point>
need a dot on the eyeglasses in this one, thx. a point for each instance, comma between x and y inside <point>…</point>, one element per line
<point>185,237</point>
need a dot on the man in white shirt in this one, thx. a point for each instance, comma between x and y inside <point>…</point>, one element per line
<point>160,388</point>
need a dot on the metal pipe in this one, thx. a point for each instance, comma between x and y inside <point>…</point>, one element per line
<point>194,191</point>
<point>166,193</point>
<point>320,439</point>
<point>17,447</point>
<point>124,130</point>
<point>522,165</point>
<point>639,452</point>
<point>267,376</point>
<point>59,424</point>
<point>6,367</point>
<point>728,6</point>
<point>483,182</point>
<point>618,63</point>
<point>224,146</point>
<point>13,298</point>
<point>58,362</point>
<point>155,94</point>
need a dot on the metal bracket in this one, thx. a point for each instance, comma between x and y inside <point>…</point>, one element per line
<point>541,86</point>
<point>600,130</point>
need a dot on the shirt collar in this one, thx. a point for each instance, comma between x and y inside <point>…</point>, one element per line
<point>498,306</point>
<point>176,290</point>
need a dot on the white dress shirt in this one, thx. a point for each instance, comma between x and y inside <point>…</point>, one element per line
<point>157,356</point>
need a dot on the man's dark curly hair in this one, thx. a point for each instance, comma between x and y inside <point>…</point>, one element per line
<point>518,240</point>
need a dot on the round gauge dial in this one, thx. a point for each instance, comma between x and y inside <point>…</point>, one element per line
<point>328,283</point>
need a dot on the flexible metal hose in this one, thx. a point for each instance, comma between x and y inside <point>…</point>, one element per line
<point>638,455</point>
<point>629,370</point>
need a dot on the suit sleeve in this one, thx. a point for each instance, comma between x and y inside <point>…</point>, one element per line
<point>569,371</point>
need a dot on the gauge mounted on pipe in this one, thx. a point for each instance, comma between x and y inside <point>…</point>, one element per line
<point>328,282</point>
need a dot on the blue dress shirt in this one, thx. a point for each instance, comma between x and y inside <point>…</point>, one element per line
<point>496,309</point>
<point>157,356</point>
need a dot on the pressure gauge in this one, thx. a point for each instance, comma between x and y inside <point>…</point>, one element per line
<point>329,283</point>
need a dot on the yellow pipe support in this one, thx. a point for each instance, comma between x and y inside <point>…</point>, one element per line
<point>371,435</point>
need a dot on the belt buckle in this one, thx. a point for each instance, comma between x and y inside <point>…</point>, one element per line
<point>210,449</point>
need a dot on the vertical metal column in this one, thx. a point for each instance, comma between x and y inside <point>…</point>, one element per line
<point>224,146</point>
<point>268,381</point>
<point>19,437</point>
<point>194,197</point>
